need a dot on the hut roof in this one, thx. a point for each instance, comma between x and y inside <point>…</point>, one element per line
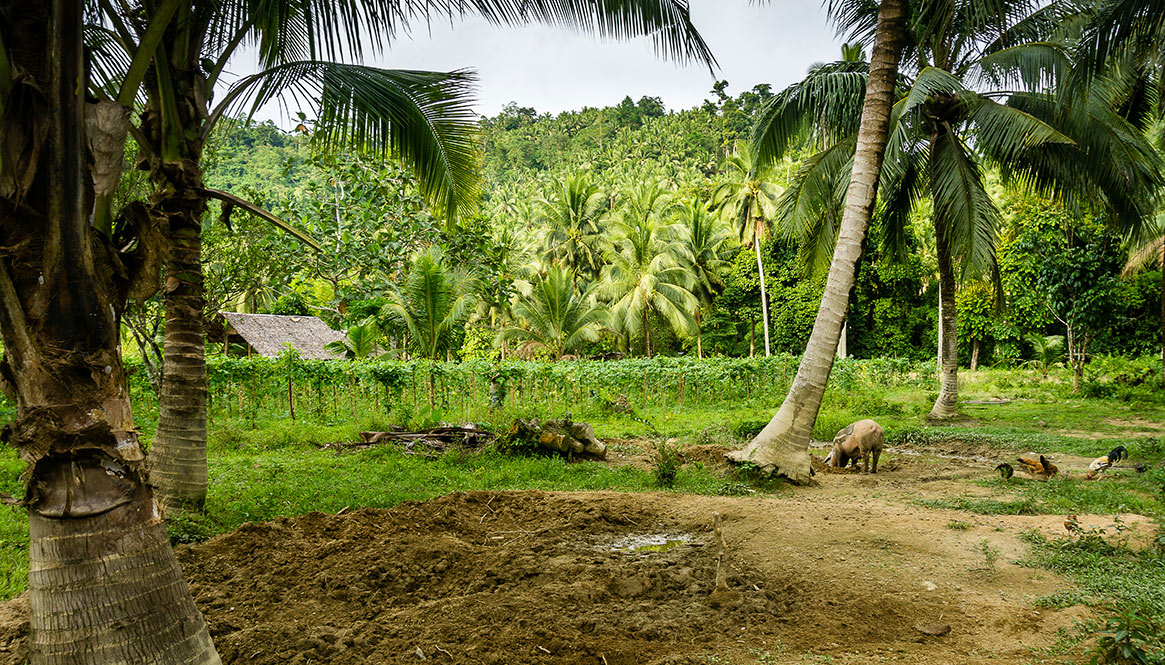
<point>268,333</point>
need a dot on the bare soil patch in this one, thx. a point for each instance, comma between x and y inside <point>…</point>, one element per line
<point>850,570</point>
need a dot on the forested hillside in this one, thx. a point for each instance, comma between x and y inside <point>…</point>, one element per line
<point>652,214</point>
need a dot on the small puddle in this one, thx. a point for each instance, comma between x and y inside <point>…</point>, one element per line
<point>657,542</point>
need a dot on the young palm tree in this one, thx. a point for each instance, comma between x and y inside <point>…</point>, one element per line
<point>171,56</point>
<point>783,444</point>
<point>646,274</point>
<point>103,584</point>
<point>432,305</point>
<point>748,200</point>
<point>707,251</point>
<point>361,341</point>
<point>573,215</point>
<point>555,316</point>
<point>974,98</point>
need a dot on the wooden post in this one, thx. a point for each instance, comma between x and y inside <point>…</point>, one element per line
<point>290,400</point>
<point>721,554</point>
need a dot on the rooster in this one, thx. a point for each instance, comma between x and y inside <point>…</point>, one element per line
<point>1040,469</point>
<point>1102,464</point>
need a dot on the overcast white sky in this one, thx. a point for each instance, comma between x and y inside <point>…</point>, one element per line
<point>555,70</point>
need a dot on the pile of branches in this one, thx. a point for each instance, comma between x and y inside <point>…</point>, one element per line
<point>428,442</point>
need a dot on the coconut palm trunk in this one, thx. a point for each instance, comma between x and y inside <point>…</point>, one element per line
<point>946,406</point>
<point>764,297</point>
<point>782,446</point>
<point>178,468</point>
<point>104,586</point>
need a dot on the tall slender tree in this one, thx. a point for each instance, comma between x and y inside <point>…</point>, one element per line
<point>104,586</point>
<point>783,444</point>
<point>172,55</point>
<point>975,96</point>
<point>748,199</point>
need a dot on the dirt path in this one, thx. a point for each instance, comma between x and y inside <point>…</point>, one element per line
<point>848,572</point>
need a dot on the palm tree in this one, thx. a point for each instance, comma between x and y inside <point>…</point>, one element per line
<point>172,55</point>
<point>948,129</point>
<point>104,585</point>
<point>572,215</point>
<point>646,274</point>
<point>707,250</point>
<point>783,444</point>
<point>555,316</point>
<point>748,200</point>
<point>361,341</point>
<point>432,305</point>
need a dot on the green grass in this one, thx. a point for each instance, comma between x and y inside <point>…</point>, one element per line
<point>1105,573</point>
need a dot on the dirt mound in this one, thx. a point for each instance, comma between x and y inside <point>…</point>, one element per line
<point>608,578</point>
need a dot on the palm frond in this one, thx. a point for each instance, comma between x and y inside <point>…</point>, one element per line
<point>828,100</point>
<point>962,205</point>
<point>423,118</point>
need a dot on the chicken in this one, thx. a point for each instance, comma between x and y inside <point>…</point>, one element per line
<point>1005,471</point>
<point>1040,469</point>
<point>1072,524</point>
<point>1102,464</point>
<point>1140,467</point>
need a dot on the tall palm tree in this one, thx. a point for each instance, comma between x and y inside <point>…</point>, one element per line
<point>973,99</point>
<point>432,305</point>
<point>171,55</point>
<point>783,444</point>
<point>555,316</point>
<point>707,251</point>
<point>646,274</point>
<point>104,585</point>
<point>573,214</point>
<point>748,200</point>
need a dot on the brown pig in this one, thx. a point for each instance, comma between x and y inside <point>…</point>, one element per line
<point>862,439</point>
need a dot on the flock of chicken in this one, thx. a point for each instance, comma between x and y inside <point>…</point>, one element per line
<point>1042,469</point>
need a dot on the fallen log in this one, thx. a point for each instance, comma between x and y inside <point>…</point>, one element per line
<point>563,436</point>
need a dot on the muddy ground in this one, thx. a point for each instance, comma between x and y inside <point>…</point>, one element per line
<point>848,572</point>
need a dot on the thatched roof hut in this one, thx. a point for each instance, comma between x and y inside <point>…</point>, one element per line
<point>266,334</point>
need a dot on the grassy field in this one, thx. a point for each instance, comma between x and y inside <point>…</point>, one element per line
<point>279,468</point>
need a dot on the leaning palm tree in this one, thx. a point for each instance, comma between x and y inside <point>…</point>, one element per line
<point>748,200</point>
<point>646,273</point>
<point>360,342</point>
<point>432,305</point>
<point>170,56</point>
<point>783,444</point>
<point>971,101</point>
<point>555,316</point>
<point>572,215</point>
<point>707,251</point>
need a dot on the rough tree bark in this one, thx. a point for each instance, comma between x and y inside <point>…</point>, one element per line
<point>104,585</point>
<point>947,403</point>
<point>178,456</point>
<point>782,446</point>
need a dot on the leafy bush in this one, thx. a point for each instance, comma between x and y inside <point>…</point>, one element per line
<point>668,458</point>
<point>1127,638</point>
